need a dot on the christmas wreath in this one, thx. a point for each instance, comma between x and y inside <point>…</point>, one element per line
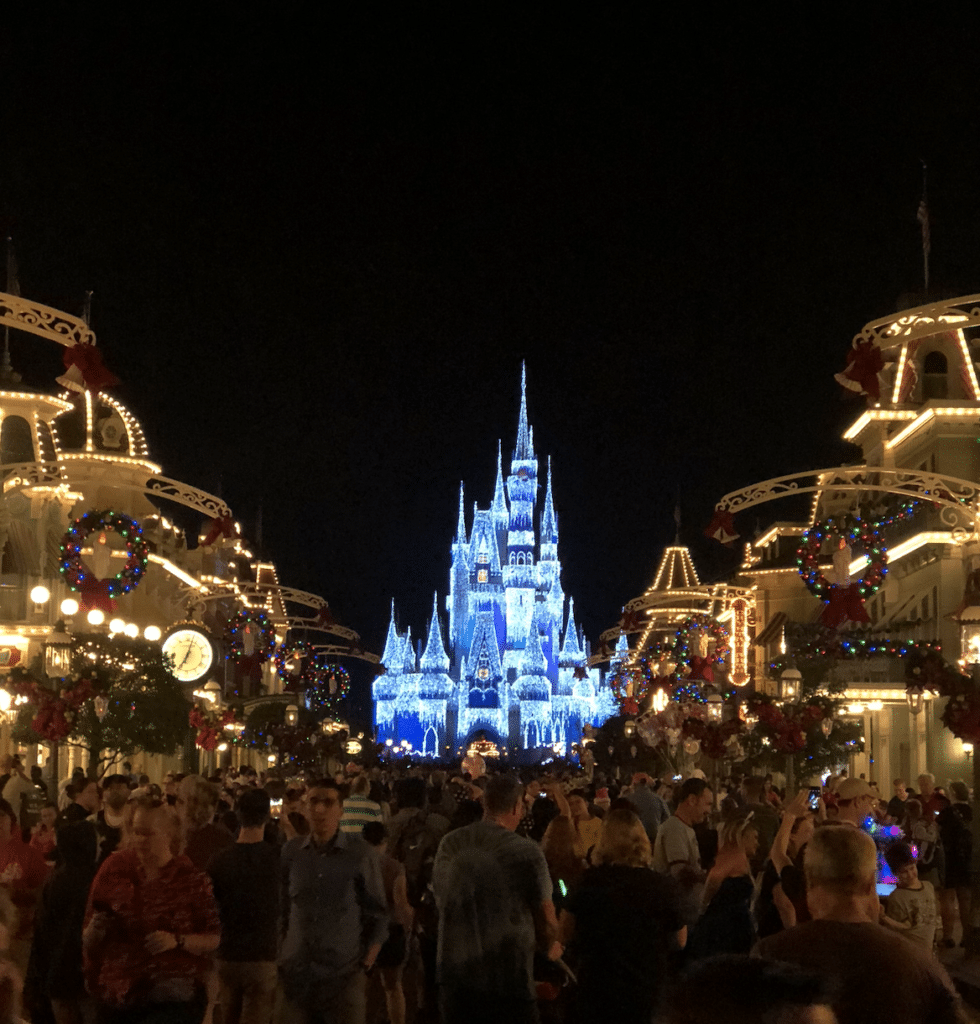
<point>251,637</point>
<point>330,688</point>
<point>209,722</point>
<point>701,666</point>
<point>286,658</point>
<point>98,592</point>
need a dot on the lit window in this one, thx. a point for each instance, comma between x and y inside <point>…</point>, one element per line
<point>482,673</point>
<point>483,558</point>
<point>482,576</point>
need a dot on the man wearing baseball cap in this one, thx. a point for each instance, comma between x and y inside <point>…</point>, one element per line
<point>855,800</point>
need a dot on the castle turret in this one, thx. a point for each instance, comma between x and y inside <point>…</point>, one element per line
<point>457,603</point>
<point>435,683</point>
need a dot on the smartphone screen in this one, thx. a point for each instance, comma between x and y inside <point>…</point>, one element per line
<point>813,802</point>
<point>275,808</point>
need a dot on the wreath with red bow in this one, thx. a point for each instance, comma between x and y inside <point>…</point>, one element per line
<point>251,637</point>
<point>291,652</point>
<point>330,688</point>
<point>702,667</point>
<point>56,713</point>
<point>96,592</point>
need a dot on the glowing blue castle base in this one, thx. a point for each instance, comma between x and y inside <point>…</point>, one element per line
<point>515,670</point>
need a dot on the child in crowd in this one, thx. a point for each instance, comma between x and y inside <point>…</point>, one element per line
<point>911,908</point>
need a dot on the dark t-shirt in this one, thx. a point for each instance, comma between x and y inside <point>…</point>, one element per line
<point>879,976</point>
<point>203,843</point>
<point>625,919</point>
<point>245,877</point>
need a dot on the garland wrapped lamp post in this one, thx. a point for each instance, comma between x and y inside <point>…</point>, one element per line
<point>790,684</point>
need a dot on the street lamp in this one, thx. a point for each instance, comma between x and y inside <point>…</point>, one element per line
<point>790,681</point>
<point>292,716</point>
<point>716,707</point>
<point>57,652</point>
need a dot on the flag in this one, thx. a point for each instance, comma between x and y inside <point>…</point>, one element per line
<point>923,218</point>
<point>13,281</point>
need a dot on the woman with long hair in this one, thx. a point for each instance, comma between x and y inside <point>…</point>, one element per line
<point>622,923</point>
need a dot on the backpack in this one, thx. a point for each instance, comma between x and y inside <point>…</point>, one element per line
<point>416,849</point>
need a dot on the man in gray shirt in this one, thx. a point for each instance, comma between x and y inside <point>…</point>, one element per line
<point>335,916</point>
<point>493,893</point>
<point>676,849</point>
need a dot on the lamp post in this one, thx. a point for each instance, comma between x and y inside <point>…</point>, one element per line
<point>790,684</point>
<point>212,689</point>
<point>57,665</point>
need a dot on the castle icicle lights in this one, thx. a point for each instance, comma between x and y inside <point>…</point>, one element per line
<point>515,668</point>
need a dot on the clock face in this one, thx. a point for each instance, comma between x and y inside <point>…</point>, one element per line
<point>192,654</point>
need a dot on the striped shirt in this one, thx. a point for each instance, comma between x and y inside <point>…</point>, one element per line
<point>358,811</point>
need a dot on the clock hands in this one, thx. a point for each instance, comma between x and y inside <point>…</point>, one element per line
<point>190,647</point>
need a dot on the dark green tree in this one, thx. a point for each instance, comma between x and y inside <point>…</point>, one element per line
<point>146,709</point>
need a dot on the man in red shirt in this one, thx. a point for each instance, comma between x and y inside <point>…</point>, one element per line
<point>22,873</point>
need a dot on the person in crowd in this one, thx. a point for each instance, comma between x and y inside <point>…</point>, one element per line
<point>17,789</point>
<point>22,873</point>
<point>292,820</point>
<point>110,820</point>
<point>54,972</point>
<point>587,826</point>
<point>911,908</point>
<point>956,831</point>
<point>726,924</point>
<point>933,800</point>
<point>565,866</point>
<point>43,833</point>
<point>391,959</point>
<point>764,815</point>
<point>151,925</point>
<point>844,938</point>
<point>922,832</point>
<point>855,802</point>
<point>67,788</point>
<point>896,806</point>
<point>197,801</point>
<point>493,894</point>
<point>440,799</point>
<point>335,915</point>
<point>85,801</point>
<point>37,779</point>
<point>739,990</point>
<point>359,809</point>
<point>676,850</point>
<point>782,893</point>
<point>7,768</point>
<point>769,794</point>
<point>650,807</point>
<point>620,906</point>
<point>245,878</point>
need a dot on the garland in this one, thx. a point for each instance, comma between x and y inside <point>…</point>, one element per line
<point>209,722</point>
<point>327,693</point>
<point>96,592</point>
<point>850,529</point>
<point>56,713</point>
<point>251,637</point>
<point>307,674</point>
<point>701,667</point>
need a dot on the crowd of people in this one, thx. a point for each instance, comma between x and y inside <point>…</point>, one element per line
<point>443,896</point>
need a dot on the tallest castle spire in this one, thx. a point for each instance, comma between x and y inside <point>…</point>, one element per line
<point>525,446</point>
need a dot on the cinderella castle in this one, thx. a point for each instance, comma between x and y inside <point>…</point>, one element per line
<point>516,668</point>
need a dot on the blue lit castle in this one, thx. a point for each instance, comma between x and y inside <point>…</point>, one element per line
<point>516,669</point>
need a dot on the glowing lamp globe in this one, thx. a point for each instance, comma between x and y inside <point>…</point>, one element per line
<point>69,606</point>
<point>152,633</point>
<point>116,625</point>
<point>132,630</point>
<point>95,617</point>
<point>40,595</point>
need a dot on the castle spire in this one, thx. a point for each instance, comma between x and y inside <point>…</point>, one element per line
<point>571,648</point>
<point>434,659</point>
<point>498,509</point>
<point>533,661</point>
<point>392,657</point>
<point>461,524</point>
<point>525,444</point>
<point>549,521</point>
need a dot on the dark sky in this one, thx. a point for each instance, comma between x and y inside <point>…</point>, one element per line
<point>321,248</point>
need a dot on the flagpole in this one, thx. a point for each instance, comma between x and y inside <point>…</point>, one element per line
<point>923,218</point>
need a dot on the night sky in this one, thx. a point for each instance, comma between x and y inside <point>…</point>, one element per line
<point>320,250</point>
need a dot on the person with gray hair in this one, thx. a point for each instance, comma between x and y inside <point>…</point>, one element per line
<point>359,809</point>
<point>844,938</point>
<point>493,893</point>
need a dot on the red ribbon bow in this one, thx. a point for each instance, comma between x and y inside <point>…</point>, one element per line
<point>722,528</point>
<point>864,363</point>
<point>324,617</point>
<point>88,359</point>
<point>701,668</point>
<point>223,526</point>
<point>95,594</point>
<point>843,603</point>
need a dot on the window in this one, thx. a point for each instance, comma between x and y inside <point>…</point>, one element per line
<point>482,576</point>
<point>16,441</point>
<point>482,673</point>
<point>483,558</point>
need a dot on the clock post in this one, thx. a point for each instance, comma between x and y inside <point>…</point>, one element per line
<point>57,665</point>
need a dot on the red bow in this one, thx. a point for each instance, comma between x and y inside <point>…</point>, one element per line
<point>844,603</point>
<point>630,622</point>
<point>324,617</point>
<point>701,669</point>
<point>630,707</point>
<point>722,528</point>
<point>223,526</point>
<point>864,363</point>
<point>95,594</point>
<point>207,738</point>
<point>88,359</point>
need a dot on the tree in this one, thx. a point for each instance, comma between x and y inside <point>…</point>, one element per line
<point>145,708</point>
